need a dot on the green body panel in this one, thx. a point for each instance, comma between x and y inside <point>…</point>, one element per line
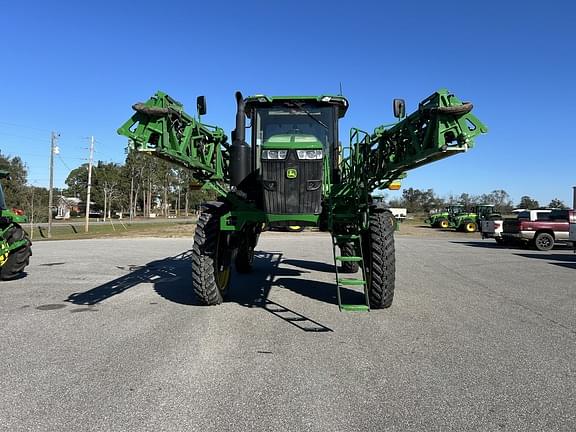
<point>235,220</point>
<point>300,142</point>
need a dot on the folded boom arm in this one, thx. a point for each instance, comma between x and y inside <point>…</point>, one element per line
<point>161,127</point>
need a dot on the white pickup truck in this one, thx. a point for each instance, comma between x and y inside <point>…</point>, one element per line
<point>494,228</point>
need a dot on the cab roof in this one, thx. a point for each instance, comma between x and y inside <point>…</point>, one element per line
<point>260,100</point>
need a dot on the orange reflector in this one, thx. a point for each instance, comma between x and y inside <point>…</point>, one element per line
<point>395,185</point>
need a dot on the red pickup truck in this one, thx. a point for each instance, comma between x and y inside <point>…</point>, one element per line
<point>543,233</point>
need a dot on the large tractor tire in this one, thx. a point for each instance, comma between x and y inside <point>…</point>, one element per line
<point>19,258</point>
<point>379,255</point>
<point>469,226</point>
<point>211,256</point>
<point>444,224</point>
<point>347,249</point>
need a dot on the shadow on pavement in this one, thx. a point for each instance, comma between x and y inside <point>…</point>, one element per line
<point>310,265</point>
<point>172,279</point>
<point>561,260</point>
<point>490,244</point>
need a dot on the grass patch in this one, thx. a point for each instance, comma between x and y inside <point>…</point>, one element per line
<point>63,231</point>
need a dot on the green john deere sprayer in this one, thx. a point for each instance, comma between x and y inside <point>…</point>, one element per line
<point>293,172</point>
<point>15,246</point>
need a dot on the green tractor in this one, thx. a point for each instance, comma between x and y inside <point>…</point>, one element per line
<point>293,171</point>
<point>15,246</point>
<point>469,222</point>
<point>442,219</point>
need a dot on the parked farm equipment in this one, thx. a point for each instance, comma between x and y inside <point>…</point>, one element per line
<point>294,172</point>
<point>15,246</point>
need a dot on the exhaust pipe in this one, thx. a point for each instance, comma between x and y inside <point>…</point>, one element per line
<point>240,161</point>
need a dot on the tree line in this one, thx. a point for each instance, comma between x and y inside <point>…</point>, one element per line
<point>142,186</point>
<point>420,200</point>
<point>146,185</point>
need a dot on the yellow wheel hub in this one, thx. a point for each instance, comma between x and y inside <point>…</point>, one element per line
<point>3,252</point>
<point>470,227</point>
<point>222,277</point>
<point>444,224</point>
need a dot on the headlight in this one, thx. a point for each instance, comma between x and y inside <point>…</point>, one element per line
<point>274,154</point>
<point>309,154</point>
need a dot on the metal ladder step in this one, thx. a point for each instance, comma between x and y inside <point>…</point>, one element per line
<point>342,283</point>
<point>354,308</point>
<point>351,282</point>
<point>349,258</point>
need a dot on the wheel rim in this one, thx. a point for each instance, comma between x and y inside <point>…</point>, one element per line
<point>222,277</point>
<point>294,227</point>
<point>444,224</point>
<point>544,242</point>
<point>470,227</point>
<point>222,270</point>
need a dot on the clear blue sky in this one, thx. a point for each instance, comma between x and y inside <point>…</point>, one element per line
<point>77,67</point>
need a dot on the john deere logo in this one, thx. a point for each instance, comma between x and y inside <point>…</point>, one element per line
<point>291,173</point>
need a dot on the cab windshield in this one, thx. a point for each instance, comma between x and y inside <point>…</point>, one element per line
<point>296,119</point>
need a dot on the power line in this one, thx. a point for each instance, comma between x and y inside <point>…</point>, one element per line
<point>24,127</point>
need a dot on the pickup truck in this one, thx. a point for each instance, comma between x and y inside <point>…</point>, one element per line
<point>543,233</point>
<point>493,228</point>
<point>572,235</point>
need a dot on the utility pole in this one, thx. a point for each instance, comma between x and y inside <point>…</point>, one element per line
<point>53,149</point>
<point>89,183</point>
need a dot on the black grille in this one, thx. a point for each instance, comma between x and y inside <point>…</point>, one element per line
<point>283,195</point>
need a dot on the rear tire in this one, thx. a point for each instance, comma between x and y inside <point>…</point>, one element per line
<point>469,227</point>
<point>443,223</point>
<point>347,249</point>
<point>378,243</point>
<point>211,256</point>
<point>19,258</point>
<point>543,241</point>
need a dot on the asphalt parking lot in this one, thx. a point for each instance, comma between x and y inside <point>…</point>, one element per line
<point>104,335</point>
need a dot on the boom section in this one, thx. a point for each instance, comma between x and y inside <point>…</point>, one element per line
<point>162,128</point>
<point>441,127</point>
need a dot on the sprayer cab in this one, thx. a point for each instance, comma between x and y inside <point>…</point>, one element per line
<point>293,150</point>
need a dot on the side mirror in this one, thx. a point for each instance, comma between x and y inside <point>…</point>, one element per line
<point>201,105</point>
<point>399,108</point>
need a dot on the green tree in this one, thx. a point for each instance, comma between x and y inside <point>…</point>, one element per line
<point>500,199</point>
<point>528,203</point>
<point>416,200</point>
<point>557,203</point>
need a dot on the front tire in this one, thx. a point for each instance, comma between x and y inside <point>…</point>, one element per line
<point>378,243</point>
<point>470,227</point>
<point>211,256</point>
<point>19,258</point>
